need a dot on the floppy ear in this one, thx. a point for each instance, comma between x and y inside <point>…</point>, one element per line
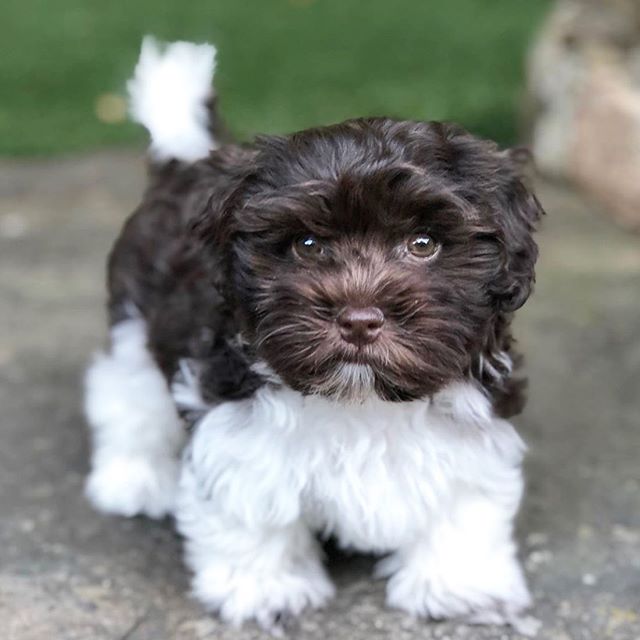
<point>519,213</point>
<point>231,170</point>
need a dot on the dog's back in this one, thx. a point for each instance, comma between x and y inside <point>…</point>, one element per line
<point>161,305</point>
<point>157,269</point>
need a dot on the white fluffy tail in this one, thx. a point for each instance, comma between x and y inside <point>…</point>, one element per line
<point>169,95</point>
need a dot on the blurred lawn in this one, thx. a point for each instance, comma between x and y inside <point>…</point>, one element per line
<point>283,64</point>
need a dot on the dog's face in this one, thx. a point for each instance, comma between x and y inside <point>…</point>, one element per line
<point>376,256</point>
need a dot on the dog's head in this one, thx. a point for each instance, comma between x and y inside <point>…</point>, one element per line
<point>375,255</point>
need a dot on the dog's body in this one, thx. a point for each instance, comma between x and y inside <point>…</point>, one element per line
<point>331,311</point>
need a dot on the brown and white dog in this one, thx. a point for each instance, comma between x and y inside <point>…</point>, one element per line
<point>330,311</point>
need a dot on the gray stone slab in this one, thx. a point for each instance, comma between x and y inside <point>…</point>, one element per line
<point>68,573</point>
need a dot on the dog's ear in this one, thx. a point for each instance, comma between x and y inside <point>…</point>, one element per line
<point>518,216</point>
<point>230,172</point>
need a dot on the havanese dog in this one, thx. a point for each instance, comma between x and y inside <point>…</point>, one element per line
<point>310,336</point>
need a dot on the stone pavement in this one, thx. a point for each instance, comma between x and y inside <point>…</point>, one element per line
<point>68,573</point>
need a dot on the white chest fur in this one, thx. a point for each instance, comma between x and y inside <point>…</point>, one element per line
<point>436,482</point>
<point>374,474</point>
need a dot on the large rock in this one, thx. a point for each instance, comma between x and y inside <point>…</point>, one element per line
<point>584,85</point>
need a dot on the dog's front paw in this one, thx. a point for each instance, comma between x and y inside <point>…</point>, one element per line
<point>134,485</point>
<point>498,595</point>
<point>239,595</point>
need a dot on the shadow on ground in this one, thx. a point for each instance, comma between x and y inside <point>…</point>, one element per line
<point>68,573</point>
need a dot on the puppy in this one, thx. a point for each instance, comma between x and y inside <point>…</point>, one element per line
<point>329,313</point>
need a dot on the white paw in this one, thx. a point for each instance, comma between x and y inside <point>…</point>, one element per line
<point>498,596</point>
<point>134,485</point>
<point>239,595</point>
<point>523,624</point>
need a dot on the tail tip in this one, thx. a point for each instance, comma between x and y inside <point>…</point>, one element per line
<point>169,95</point>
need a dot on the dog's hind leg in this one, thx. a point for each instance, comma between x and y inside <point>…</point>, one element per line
<point>136,431</point>
<point>137,434</point>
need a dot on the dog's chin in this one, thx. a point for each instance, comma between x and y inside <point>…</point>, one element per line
<point>353,381</point>
<point>349,373</point>
<point>349,382</point>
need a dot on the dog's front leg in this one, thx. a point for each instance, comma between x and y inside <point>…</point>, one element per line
<point>252,555</point>
<point>465,566</point>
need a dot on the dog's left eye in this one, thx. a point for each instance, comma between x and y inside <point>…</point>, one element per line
<point>308,247</point>
<point>422,246</point>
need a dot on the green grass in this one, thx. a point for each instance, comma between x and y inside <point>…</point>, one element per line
<point>283,64</point>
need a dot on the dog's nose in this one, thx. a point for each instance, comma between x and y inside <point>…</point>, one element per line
<point>360,326</point>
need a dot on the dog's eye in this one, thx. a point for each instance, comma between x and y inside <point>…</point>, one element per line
<point>308,247</point>
<point>422,246</point>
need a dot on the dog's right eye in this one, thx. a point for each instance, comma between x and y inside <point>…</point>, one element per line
<point>308,247</point>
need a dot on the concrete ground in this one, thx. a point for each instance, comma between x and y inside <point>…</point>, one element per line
<point>68,573</point>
